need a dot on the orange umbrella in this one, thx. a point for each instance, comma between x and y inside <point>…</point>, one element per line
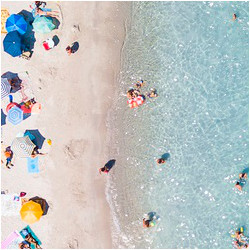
<point>31,212</point>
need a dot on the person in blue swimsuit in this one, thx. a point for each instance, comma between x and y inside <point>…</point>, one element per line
<point>38,9</point>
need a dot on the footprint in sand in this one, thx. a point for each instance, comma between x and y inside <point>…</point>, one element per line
<point>73,244</point>
<point>75,149</point>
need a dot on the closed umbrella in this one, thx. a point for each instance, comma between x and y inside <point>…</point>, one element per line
<point>43,24</point>
<point>15,115</point>
<point>23,146</point>
<point>16,22</point>
<point>31,212</point>
<point>5,87</point>
<point>12,44</point>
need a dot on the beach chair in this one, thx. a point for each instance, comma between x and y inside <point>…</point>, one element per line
<point>26,230</point>
<point>26,55</point>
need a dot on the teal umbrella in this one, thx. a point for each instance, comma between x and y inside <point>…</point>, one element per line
<point>43,24</point>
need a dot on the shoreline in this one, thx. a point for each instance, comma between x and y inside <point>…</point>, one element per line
<point>76,95</point>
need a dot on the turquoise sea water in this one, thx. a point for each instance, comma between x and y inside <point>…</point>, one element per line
<point>197,59</point>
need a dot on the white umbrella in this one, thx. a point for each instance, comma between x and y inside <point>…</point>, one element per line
<point>23,146</point>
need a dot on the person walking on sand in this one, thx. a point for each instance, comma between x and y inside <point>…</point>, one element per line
<point>71,49</point>
<point>35,153</point>
<point>9,155</point>
<point>104,169</point>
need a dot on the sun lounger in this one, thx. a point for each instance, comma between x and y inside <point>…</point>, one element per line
<point>26,230</point>
<point>33,165</point>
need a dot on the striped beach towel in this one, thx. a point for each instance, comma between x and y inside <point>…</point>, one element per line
<point>12,241</point>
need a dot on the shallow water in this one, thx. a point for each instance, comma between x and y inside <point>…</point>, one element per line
<point>197,59</point>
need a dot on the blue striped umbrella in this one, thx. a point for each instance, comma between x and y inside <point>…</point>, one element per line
<point>5,87</point>
<point>15,115</point>
<point>16,22</point>
<point>12,44</point>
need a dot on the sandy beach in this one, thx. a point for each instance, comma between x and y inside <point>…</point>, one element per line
<point>75,92</point>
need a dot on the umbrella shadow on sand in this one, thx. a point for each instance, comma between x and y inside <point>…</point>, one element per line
<point>110,164</point>
<point>43,203</point>
<point>38,140</point>
<point>28,39</point>
<point>3,118</point>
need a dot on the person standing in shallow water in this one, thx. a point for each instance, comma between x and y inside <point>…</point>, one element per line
<point>160,161</point>
<point>104,169</point>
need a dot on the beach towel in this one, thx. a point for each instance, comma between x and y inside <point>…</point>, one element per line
<point>28,230</point>
<point>33,165</point>
<point>12,241</point>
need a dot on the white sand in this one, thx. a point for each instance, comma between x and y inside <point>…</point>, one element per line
<point>76,92</point>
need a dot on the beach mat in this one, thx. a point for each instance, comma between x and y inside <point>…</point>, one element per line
<point>33,165</point>
<point>26,230</point>
<point>12,241</point>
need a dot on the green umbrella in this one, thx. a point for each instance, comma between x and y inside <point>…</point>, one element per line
<point>43,24</point>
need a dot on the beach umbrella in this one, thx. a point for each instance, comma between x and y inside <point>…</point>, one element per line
<point>12,44</point>
<point>15,115</point>
<point>5,87</point>
<point>43,203</point>
<point>23,146</point>
<point>43,24</point>
<point>35,136</point>
<point>31,212</point>
<point>16,22</point>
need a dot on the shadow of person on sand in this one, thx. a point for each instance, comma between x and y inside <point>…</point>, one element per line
<point>3,118</point>
<point>28,39</point>
<point>56,22</point>
<point>165,156</point>
<point>110,164</point>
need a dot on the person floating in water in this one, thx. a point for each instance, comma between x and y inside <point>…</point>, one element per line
<point>139,84</point>
<point>150,219</point>
<point>160,161</point>
<point>234,17</point>
<point>152,93</point>
<point>241,182</point>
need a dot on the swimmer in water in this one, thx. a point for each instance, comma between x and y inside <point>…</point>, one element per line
<point>130,93</point>
<point>148,223</point>
<point>238,186</point>
<point>152,93</point>
<point>160,161</point>
<point>243,176</point>
<point>139,84</point>
<point>234,17</point>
